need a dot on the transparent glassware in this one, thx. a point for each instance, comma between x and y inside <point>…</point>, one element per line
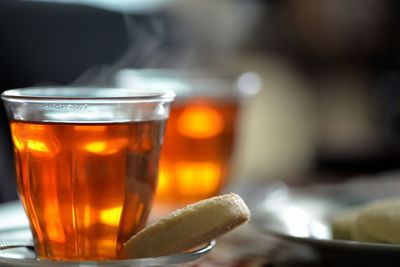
<point>86,163</point>
<point>201,135</point>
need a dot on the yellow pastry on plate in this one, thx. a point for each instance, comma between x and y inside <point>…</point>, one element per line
<point>379,222</point>
<point>342,225</point>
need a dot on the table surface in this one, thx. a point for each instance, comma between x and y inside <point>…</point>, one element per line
<point>242,247</point>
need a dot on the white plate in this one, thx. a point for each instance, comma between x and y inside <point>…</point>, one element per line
<point>25,257</point>
<point>304,215</point>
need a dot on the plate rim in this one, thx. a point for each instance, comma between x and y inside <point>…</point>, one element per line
<point>258,221</point>
<point>174,259</point>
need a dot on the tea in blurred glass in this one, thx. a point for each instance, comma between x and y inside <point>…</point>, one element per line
<point>199,143</point>
<point>197,150</point>
<point>86,168</point>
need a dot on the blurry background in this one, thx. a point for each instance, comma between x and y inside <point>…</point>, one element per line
<point>329,107</point>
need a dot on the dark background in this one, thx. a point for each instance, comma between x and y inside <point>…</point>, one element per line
<point>54,44</point>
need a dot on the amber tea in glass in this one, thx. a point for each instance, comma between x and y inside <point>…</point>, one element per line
<point>86,165</point>
<point>200,136</point>
<point>196,156</point>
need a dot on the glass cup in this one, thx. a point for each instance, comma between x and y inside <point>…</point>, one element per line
<point>87,164</point>
<point>200,138</point>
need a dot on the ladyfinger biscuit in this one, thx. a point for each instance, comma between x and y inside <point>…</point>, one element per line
<point>189,227</point>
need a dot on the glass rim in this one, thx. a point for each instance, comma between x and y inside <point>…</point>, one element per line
<point>189,83</point>
<point>85,94</point>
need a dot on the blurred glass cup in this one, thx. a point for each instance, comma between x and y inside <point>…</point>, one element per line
<point>200,136</point>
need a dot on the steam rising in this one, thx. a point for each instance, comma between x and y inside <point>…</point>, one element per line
<point>186,34</point>
<point>146,40</point>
